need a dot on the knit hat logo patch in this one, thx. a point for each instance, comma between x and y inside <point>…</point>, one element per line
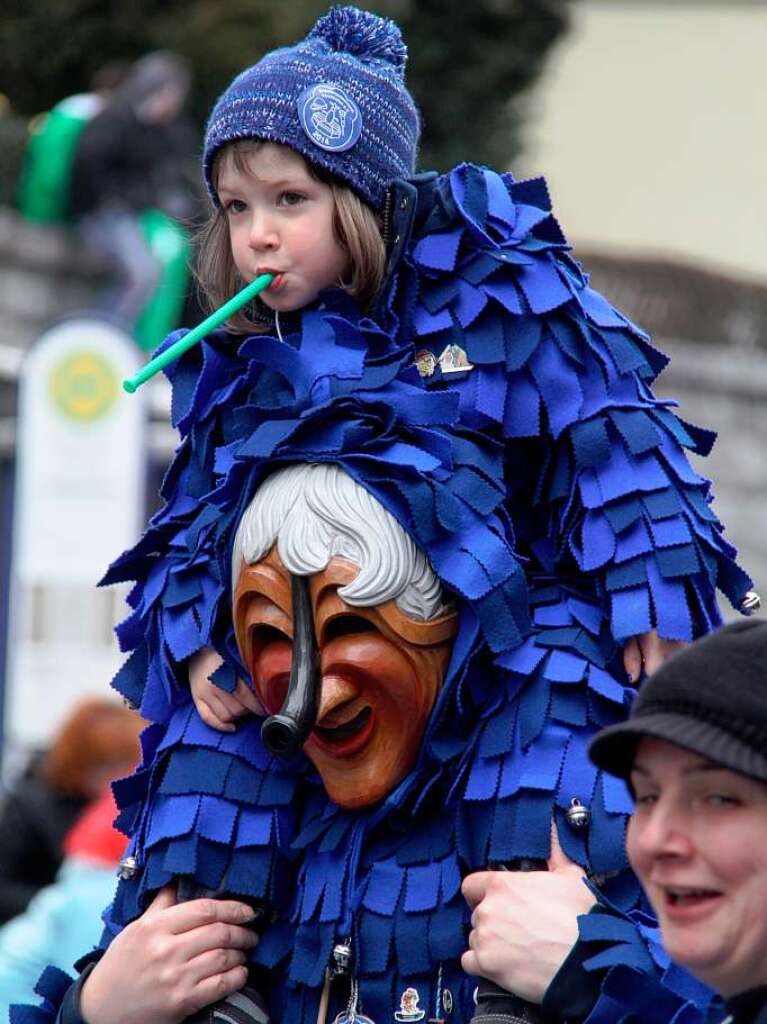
<point>329,117</point>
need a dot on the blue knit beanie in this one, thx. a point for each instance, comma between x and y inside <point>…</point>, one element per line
<point>338,98</point>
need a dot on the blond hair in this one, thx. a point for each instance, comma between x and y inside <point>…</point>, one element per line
<point>355,226</point>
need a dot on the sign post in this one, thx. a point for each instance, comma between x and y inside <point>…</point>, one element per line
<point>79,501</point>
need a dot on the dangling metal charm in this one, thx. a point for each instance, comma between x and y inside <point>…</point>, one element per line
<point>577,815</point>
<point>350,1014</point>
<point>750,604</point>
<point>128,868</point>
<point>341,959</point>
<point>408,1006</point>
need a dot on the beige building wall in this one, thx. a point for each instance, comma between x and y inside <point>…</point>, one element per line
<point>650,124</point>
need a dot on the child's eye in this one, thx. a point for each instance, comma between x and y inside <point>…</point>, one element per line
<point>233,206</point>
<point>291,198</point>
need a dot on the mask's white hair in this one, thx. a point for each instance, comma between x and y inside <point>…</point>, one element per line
<point>313,511</point>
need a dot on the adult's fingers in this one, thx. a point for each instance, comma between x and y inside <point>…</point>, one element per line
<point>216,987</point>
<point>470,962</point>
<point>164,898</point>
<point>211,938</point>
<point>558,859</point>
<point>656,650</point>
<point>214,962</point>
<point>185,917</point>
<point>632,659</point>
<point>474,887</point>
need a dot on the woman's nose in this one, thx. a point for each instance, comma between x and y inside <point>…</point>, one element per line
<point>663,831</point>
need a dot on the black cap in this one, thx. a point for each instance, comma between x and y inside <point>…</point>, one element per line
<point>711,698</point>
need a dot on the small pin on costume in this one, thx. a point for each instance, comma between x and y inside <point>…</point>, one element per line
<point>453,359</point>
<point>408,1007</point>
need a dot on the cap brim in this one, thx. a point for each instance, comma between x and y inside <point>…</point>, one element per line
<point>614,748</point>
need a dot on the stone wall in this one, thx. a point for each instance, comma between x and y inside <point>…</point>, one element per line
<point>44,273</point>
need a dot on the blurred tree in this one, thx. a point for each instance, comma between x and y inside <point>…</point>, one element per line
<point>469,62</point>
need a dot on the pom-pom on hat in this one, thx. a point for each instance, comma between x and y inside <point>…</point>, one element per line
<point>338,98</point>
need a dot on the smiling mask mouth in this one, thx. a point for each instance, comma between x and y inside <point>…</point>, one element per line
<point>346,730</point>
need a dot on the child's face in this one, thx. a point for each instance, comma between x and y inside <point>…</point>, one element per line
<point>281,221</point>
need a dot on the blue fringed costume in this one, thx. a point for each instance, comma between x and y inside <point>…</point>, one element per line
<point>550,491</point>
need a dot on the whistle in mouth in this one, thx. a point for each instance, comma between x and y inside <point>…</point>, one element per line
<point>242,298</point>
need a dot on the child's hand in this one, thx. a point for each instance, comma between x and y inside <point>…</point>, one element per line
<point>170,962</point>
<point>524,923</point>
<point>648,650</point>
<point>216,707</point>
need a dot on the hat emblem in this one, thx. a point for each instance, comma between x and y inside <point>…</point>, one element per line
<point>330,118</point>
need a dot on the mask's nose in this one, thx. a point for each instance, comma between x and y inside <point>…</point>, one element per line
<point>286,732</point>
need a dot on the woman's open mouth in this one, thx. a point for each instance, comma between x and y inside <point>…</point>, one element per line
<point>344,738</point>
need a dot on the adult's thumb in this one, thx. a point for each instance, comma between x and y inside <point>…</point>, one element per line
<point>558,859</point>
<point>164,898</point>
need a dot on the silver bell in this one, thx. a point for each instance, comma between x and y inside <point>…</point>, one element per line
<point>128,868</point>
<point>341,959</point>
<point>577,815</point>
<point>750,604</point>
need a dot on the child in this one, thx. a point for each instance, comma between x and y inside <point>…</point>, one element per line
<point>433,338</point>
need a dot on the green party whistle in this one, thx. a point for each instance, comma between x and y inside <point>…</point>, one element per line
<point>199,332</point>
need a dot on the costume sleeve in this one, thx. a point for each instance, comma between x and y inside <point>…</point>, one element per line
<point>552,366</point>
<point>60,1000</point>
<point>618,969</point>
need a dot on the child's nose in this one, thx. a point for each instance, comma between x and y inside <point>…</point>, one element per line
<point>263,232</point>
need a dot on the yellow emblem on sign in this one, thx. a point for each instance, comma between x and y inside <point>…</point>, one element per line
<point>84,386</point>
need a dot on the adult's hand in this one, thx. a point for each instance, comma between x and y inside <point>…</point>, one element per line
<point>524,923</point>
<point>170,962</point>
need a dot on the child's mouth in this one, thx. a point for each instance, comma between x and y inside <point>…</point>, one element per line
<point>276,283</point>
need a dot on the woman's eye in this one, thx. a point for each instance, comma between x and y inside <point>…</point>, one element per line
<point>291,198</point>
<point>722,800</point>
<point>645,799</point>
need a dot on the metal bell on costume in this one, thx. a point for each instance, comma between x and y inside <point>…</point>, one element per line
<point>577,815</point>
<point>341,959</point>
<point>128,868</point>
<point>750,604</point>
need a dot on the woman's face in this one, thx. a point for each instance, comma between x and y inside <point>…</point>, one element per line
<point>698,842</point>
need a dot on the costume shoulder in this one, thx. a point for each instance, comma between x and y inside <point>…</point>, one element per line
<point>497,306</point>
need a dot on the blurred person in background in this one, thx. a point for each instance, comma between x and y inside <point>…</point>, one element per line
<point>96,743</point>
<point>138,153</point>
<point>63,920</point>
